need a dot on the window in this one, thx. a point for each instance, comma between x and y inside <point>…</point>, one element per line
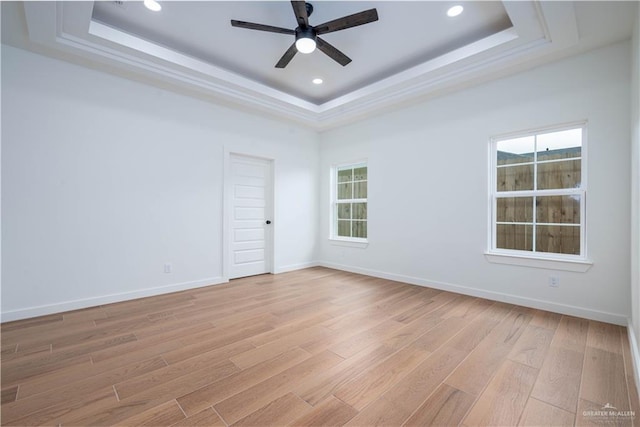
<point>349,205</point>
<point>538,194</point>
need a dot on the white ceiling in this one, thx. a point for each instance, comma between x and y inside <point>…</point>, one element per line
<point>413,51</point>
<point>409,33</point>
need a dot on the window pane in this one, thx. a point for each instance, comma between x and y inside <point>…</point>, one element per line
<point>344,210</point>
<point>360,174</point>
<point>559,145</point>
<point>512,236</point>
<point>359,211</point>
<point>559,239</point>
<point>555,164</point>
<point>565,174</point>
<point>360,229</point>
<point>558,209</point>
<point>514,209</point>
<point>344,228</point>
<point>350,218</point>
<point>345,175</point>
<point>517,150</point>
<point>345,191</point>
<point>360,190</point>
<point>515,178</point>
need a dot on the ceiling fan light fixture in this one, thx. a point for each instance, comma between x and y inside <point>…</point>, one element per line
<point>152,5</point>
<point>305,40</point>
<point>305,45</point>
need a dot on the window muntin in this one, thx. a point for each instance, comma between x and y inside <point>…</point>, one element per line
<point>350,202</point>
<point>538,193</point>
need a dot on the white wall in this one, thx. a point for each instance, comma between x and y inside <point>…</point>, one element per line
<point>104,180</point>
<point>428,185</point>
<point>635,195</point>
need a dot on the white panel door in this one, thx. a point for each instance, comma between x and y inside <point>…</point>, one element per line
<point>250,234</point>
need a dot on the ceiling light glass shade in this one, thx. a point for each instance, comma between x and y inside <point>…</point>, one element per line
<point>305,39</point>
<point>152,5</point>
<point>305,45</point>
<point>455,11</point>
<point>317,81</point>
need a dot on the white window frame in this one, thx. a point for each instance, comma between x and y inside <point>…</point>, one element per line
<point>548,260</point>
<point>333,228</point>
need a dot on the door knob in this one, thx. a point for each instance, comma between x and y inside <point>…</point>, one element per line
<point>268,222</point>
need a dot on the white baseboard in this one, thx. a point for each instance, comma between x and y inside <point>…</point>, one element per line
<point>294,267</point>
<point>635,354</point>
<point>42,310</point>
<point>494,296</point>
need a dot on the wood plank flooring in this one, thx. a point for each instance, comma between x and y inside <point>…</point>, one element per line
<point>314,347</point>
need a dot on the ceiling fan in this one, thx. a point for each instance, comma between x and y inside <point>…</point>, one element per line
<point>307,35</point>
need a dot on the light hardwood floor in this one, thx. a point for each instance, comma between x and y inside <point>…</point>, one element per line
<point>314,347</point>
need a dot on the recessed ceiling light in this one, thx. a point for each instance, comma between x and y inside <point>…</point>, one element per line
<point>317,81</point>
<point>152,5</point>
<point>455,11</point>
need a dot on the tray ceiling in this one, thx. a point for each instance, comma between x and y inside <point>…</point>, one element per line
<point>413,51</point>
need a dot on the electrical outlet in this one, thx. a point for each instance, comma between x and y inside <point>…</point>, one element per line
<point>167,268</point>
<point>554,281</point>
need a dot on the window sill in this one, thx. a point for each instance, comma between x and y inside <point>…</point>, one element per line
<point>578,265</point>
<point>362,244</point>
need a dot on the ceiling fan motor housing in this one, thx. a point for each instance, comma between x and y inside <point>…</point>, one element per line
<point>305,33</point>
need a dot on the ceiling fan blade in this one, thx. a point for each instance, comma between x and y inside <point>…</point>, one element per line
<point>332,52</point>
<point>300,10</point>
<point>287,57</point>
<point>345,22</point>
<point>261,27</point>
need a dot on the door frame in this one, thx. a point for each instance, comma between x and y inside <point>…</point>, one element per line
<point>227,205</point>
